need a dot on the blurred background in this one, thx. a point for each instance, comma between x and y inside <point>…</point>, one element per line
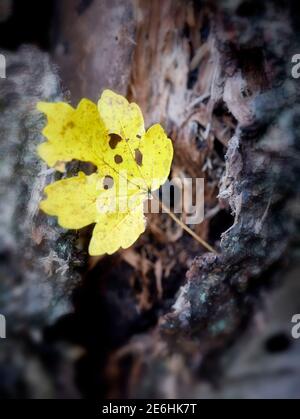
<point>162,319</point>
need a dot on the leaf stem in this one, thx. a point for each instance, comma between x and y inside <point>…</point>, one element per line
<point>185,227</point>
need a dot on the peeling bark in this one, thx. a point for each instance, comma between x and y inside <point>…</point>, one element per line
<point>259,182</point>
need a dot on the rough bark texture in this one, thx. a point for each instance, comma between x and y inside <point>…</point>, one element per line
<point>37,257</point>
<point>217,76</point>
<point>260,176</point>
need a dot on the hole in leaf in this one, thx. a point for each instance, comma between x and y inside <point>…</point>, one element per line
<point>138,157</point>
<point>108,182</point>
<point>118,158</point>
<point>114,140</point>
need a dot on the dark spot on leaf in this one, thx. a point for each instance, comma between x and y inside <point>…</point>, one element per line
<point>114,140</point>
<point>108,182</point>
<point>118,159</point>
<point>138,136</point>
<point>138,157</point>
<point>70,124</point>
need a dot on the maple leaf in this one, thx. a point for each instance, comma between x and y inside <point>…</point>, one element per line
<point>131,163</point>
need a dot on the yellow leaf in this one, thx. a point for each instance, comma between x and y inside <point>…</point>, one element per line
<point>115,230</point>
<point>73,200</point>
<point>71,133</point>
<point>156,152</point>
<point>119,116</point>
<point>147,157</point>
<point>130,163</point>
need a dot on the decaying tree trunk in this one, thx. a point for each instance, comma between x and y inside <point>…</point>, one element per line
<point>216,74</point>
